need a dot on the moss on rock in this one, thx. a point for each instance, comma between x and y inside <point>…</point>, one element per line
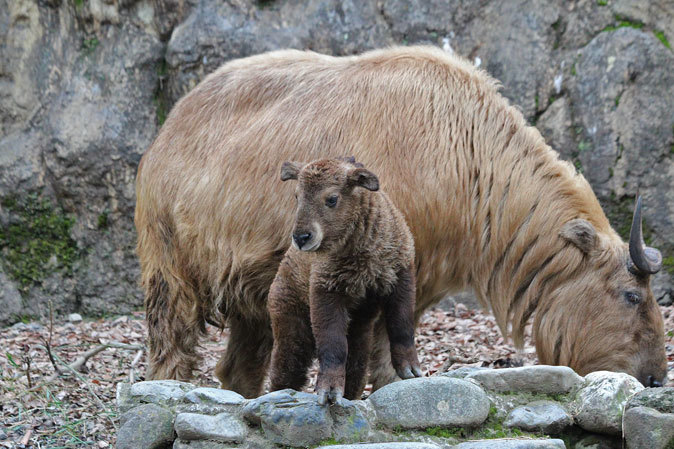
<point>36,242</point>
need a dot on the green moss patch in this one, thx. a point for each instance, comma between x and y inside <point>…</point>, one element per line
<point>619,212</point>
<point>668,264</point>
<point>492,428</point>
<point>37,241</point>
<point>624,24</point>
<point>662,38</point>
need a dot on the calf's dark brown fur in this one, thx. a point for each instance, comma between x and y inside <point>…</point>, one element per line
<point>352,256</point>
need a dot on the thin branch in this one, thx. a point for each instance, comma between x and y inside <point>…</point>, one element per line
<point>81,360</point>
<point>47,343</point>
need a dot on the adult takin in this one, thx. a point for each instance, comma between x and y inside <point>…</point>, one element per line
<point>352,256</point>
<point>490,205</point>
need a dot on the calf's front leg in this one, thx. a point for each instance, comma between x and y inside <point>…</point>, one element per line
<point>398,309</point>
<point>329,322</point>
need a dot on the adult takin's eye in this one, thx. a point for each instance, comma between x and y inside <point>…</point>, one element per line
<point>331,201</point>
<point>632,297</point>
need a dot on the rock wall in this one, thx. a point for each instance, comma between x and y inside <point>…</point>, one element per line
<point>470,408</point>
<point>85,85</point>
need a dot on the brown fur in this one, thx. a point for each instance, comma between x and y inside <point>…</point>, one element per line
<point>330,286</point>
<point>485,198</point>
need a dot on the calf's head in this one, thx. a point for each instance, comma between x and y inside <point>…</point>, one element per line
<point>604,316</point>
<point>330,194</point>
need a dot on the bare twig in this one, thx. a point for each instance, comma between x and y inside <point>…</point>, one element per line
<point>135,361</point>
<point>27,360</point>
<point>79,362</point>
<point>47,343</point>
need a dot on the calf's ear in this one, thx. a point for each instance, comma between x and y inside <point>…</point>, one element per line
<point>362,177</point>
<point>290,170</point>
<point>581,233</point>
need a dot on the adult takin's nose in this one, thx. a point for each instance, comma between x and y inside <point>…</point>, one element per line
<point>301,238</point>
<point>653,382</point>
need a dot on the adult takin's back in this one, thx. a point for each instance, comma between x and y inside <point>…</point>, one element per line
<point>490,206</point>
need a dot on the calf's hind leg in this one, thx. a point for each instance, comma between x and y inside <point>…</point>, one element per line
<point>243,366</point>
<point>359,339</point>
<point>394,332</point>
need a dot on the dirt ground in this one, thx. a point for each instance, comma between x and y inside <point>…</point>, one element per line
<point>39,409</point>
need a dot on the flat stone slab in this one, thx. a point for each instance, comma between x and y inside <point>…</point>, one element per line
<point>403,445</point>
<point>531,379</point>
<point>290,418</point>
<point>147,426</point>
<point>660,399</point>
<point>599,405</point>
<point>222,427</point>
<point>160,391</point>
<point>548,417</point>
<point>512,443</point>
<point>463,372</point>
<point>645,427</point>
<point>215,396</point>
<point>182,444</point>
<point>430,401</point>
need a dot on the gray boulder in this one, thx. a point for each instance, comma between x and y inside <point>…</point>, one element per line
<point>547,417</point>
<point>533,379</point>
<point>214,396</point>
<point>431,401</point>
<point>162,392</point>
<point>599,405</point>
<point>148,426</point>
<point>660,399</point>
<point>203,444</point>
<point>290,418</point>
<point>645,427</point>
<point>222,427</point>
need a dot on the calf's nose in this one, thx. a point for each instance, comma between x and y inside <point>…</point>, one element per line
<point>301,238</point>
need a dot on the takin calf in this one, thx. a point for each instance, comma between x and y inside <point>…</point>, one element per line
<point>352,255</point>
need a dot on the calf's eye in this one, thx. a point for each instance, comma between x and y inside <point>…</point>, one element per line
<point>632,297</point>
<point>331,201</point>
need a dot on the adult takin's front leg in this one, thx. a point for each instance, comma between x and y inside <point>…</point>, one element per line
<point>243,366</point>
<point>398,309</point>
<point>329,325</point>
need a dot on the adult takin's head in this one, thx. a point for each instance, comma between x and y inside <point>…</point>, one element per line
<point>605,316</point>
<point>330,195</point>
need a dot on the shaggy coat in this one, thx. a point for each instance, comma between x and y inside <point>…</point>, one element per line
<point>352,256</point>
<point>489,204</point>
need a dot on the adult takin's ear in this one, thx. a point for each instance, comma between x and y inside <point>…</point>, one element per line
<point>581,233</point>
<point>290,170</point>
<point>363,178</point>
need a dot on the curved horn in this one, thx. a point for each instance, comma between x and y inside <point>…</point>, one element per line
<point>646,260</point>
